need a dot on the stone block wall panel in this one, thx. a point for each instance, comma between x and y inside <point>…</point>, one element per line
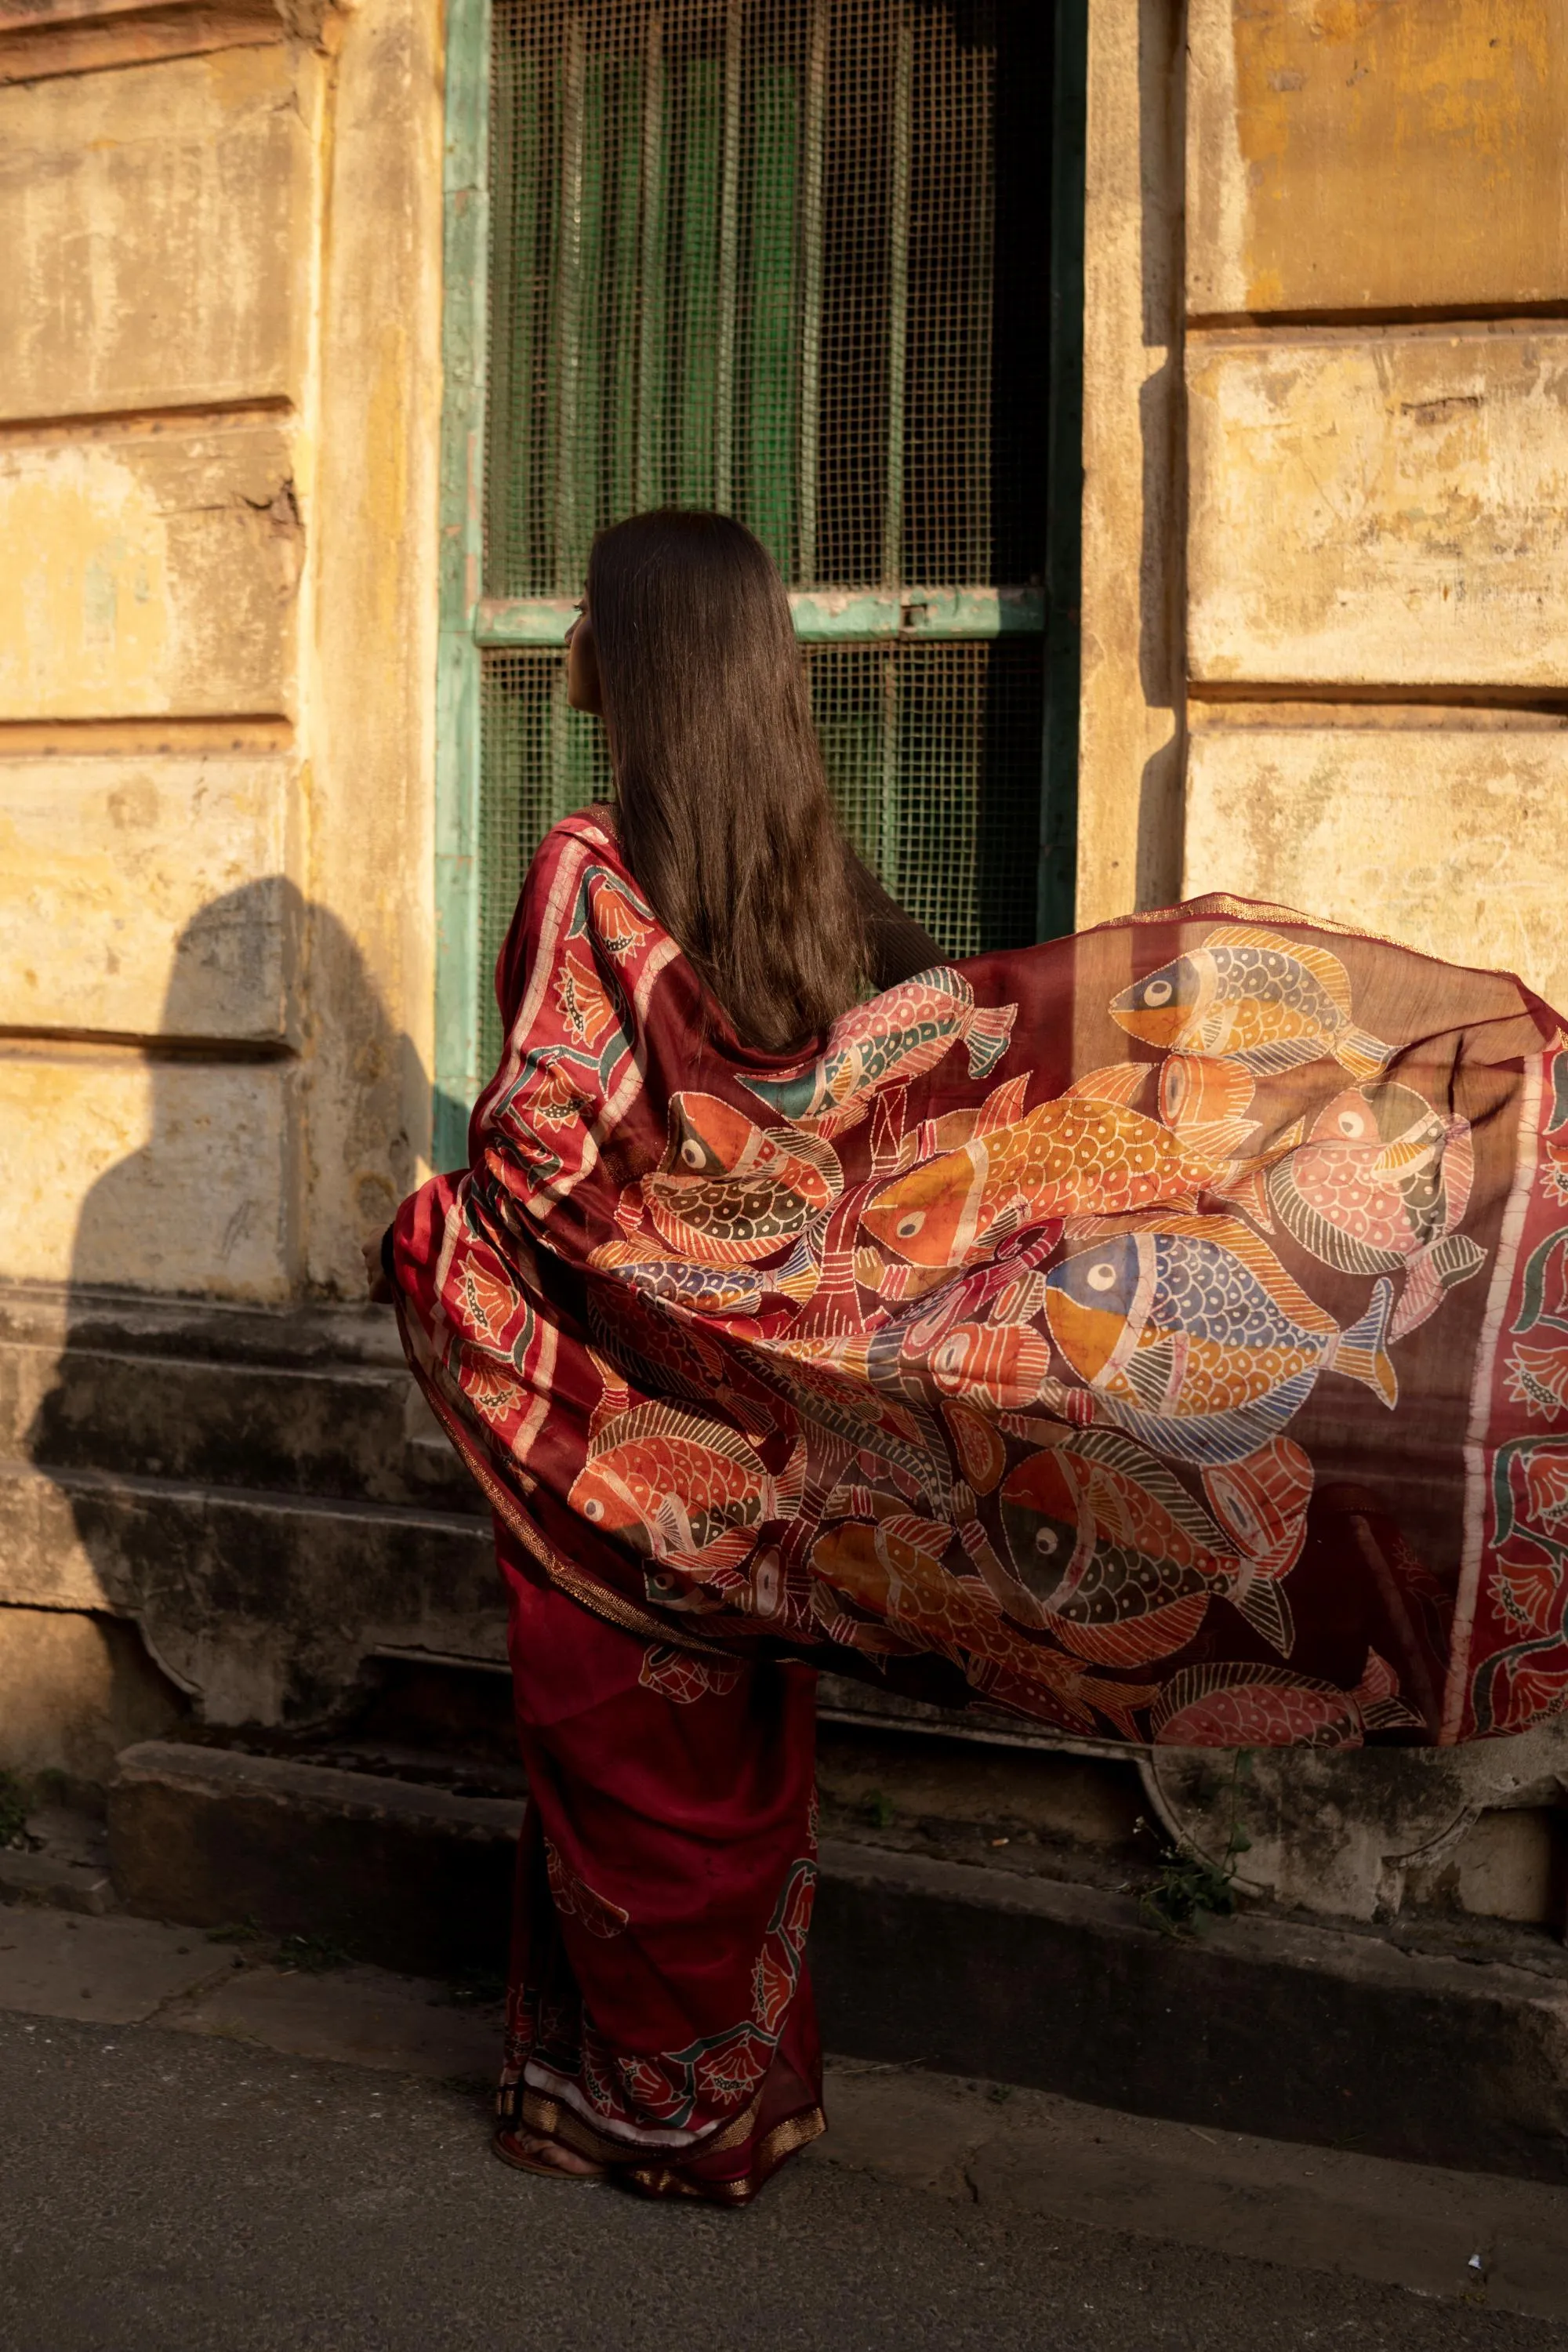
<point>1379,508</point>
<point>1346,157</point>
<point>73,1690</point>
<point>1445,837</point>
<point>157,228</point>
<point>152,572</point>
<point>176,1170</point>
<point>142,895</point>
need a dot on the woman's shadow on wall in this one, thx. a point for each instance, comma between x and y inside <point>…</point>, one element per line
<point>217,1293</point>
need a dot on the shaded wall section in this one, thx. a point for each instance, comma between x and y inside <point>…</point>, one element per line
<point>219,386</point>
<point>219,404</point>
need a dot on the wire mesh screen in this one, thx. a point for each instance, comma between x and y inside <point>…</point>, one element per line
<point>785,258</point>
<point>788,258</point>
<point>932,753</point>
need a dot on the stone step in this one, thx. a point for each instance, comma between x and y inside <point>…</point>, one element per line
<point>1340,2036</point>
<point>266,1609</point>
<point>309,1402</point>
<point>393,1871</point>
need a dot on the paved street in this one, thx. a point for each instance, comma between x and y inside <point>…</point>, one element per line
<point>169,2186</point>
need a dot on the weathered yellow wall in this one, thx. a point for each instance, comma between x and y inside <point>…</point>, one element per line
<point>220,404</point>
<point>1359,155</point>
<point>1372,707</point>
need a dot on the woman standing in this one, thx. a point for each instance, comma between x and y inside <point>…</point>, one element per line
<point>1159,1333</point>
<point>660,2015</point>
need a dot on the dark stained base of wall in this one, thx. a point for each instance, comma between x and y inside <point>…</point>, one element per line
<point>1338,2036</point>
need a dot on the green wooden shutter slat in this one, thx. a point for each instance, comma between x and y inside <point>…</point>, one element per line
<point>771,471</point>
<point>653,313</point>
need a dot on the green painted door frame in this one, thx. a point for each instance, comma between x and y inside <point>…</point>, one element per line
<point>465,262</point>
<point>471,624</point>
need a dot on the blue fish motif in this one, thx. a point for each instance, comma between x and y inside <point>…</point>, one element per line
<point>1252,997</point>
<point>1196,1338</point>
<point>708,1289</point>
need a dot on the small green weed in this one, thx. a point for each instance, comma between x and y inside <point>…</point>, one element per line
<point>312,1955</point>
<point>240,1931</point>
<point>1190,1889</point>
<point>878,1810</point>
<point>12,1811</point>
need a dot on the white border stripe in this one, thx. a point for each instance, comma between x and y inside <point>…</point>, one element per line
<point>1476,1466</point>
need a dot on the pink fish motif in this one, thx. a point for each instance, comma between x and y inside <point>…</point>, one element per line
<point>1381,1181</point>
<point>898,1036</point>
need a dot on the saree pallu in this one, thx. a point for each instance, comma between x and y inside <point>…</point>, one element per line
<point>1161,1333</point>
<point>659,2015</point>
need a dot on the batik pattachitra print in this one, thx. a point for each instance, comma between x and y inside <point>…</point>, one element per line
<point>1162,1333</point>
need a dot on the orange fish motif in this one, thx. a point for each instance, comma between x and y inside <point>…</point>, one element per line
<point>1084,1151</point>
<point>1195,1337</point>
<point>894,1571</point>
<point>727,1192</point>
<point>897,1037</point>
<point>1122,1560</point>
<point>687,1492</point>
<point>1381,1181</point>
<point>1251,996</point>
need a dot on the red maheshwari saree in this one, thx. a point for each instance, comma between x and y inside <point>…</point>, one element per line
<point>1162,1333</point>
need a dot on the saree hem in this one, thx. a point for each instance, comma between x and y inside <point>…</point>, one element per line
<point>518,2107</point>
<point>795,2132</point>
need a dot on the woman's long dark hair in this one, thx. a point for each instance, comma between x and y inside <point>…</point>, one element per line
<point>724,816</point>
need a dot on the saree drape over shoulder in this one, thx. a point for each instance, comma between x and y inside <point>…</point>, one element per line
<point>1162,1333</point>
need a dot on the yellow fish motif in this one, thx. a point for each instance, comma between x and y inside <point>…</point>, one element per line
<point>1195,1338</point>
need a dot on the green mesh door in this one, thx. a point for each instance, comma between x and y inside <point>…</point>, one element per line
<point>791,259</point>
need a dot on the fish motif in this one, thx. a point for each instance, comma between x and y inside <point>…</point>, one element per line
<point>1195,1337</point>
<point>898,1036</point>
<point>1085,1149</point>
<point>894,1571</point>
<point>1122,1561</point>
<point>1381,1181</point>
<point>1238,1705</point>
<point>1003,1365</point>
<point>1249,996</point>
<point>676,1282</point>
<point>727,1192</point>
<point>686,1491</point>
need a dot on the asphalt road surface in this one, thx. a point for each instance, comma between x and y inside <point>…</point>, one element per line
<point>165,2192</point>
